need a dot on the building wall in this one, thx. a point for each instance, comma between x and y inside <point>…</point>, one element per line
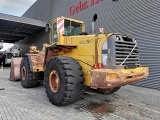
<point>138,18</point>
<point>40,10</point>
<point>37,39</point>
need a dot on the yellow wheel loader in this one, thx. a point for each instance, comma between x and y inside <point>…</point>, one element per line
<point>75,59</point>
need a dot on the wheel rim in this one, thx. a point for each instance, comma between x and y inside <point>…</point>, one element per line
<point>54,81</point>
<point>24,73</point>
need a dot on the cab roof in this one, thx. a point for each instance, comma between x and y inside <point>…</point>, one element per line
<point>66,18</point>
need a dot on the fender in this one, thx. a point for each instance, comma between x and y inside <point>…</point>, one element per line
<point>36,65</point>
<point>36,61</point>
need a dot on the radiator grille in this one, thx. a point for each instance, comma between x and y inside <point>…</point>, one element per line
<point>123,47</point>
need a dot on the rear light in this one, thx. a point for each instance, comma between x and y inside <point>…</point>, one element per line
<point>98,65</point>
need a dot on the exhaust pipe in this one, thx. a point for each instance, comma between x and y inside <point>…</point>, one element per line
<point>94,18</point>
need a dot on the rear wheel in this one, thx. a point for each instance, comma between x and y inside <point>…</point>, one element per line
<point>63,80</point>
<point>108,91</point>
<point>26,75</point>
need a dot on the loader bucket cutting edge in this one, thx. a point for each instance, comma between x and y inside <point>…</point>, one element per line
<point>15,69</point>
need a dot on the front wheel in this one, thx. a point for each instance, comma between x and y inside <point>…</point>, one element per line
<point>63,80</point>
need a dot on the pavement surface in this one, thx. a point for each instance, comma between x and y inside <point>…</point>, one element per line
<point>129,103</point>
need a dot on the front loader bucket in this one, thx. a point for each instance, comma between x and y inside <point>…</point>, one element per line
<point>15,69</point>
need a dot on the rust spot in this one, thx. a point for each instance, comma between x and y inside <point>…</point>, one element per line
<point>110,78</point>
<point>37,61</point>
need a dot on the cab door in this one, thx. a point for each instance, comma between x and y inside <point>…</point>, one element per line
<point>57,28</point>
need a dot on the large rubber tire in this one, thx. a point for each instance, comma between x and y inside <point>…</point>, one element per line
<point>68,75</point>
<point>26,75</point>
<point>108,91</point>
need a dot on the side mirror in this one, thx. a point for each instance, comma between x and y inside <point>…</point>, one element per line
<point>47,27</point>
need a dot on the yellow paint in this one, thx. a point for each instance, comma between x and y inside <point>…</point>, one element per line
<point>85,53</point>
<point>111,76</point>
<point>135,70</point>
<point>114,74</point>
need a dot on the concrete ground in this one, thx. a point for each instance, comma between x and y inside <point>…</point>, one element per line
<point>129,103</point>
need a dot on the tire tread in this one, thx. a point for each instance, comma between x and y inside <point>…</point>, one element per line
<point>73,76</point>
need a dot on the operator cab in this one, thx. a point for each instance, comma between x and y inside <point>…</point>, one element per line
<point>66,27</point>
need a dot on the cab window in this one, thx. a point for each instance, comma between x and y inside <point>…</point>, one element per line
<point>55,34</point>
<point>72,28</point>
